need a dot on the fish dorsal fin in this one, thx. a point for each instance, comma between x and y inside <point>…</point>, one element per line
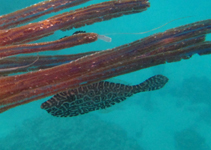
<point>154,83</point>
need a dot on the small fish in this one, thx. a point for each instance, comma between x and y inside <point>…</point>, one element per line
<point>78,32</point>
<point>64,37</point>
<point>97,96</point>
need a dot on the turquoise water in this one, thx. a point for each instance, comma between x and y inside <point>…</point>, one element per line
<point>176,117</point>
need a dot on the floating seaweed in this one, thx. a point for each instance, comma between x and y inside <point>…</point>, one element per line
<point>62,43</point>
<point>34,11</point>
<point>170,46</point>
<point>74,19</point>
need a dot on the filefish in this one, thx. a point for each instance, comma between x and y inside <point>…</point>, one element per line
<point>97,96</point>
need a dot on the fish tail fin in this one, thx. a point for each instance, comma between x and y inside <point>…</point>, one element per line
<point>154,83</point>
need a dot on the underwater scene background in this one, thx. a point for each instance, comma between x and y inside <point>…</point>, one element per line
<point>176,117</point>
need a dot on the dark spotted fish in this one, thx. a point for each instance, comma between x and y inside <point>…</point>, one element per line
<point>97,96</point>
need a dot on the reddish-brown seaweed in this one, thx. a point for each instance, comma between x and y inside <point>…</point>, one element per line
<point>81,17</point>
<point>34,11</point>
<point>44,62</point>
<point>70,41</point>
<point>169,46</point>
